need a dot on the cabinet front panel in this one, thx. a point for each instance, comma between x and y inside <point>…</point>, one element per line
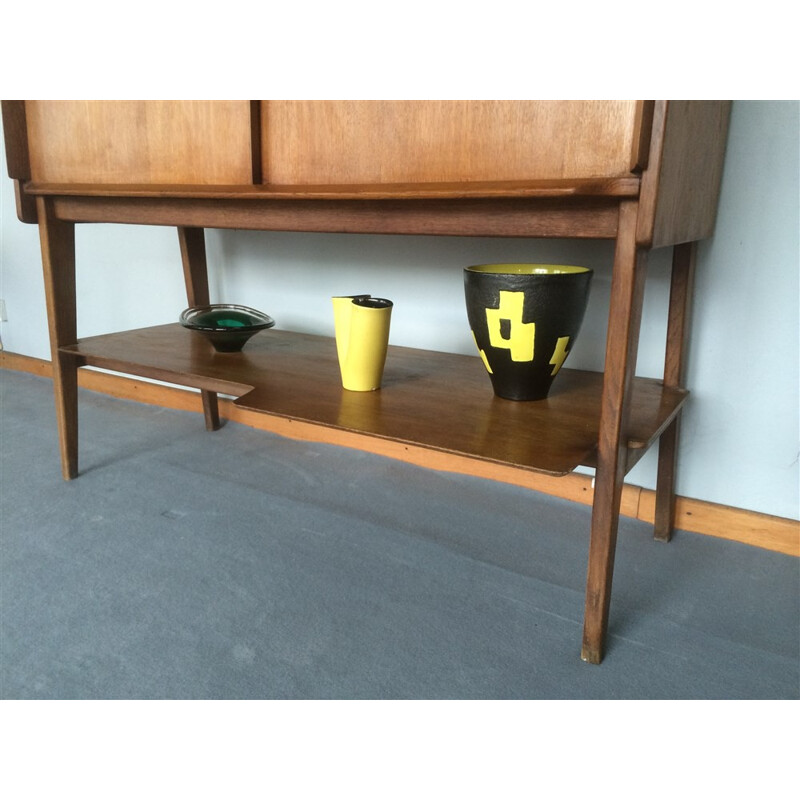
<point>409,141</point>
<point>140,141</point>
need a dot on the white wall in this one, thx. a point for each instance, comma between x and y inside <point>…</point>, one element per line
<point>740,438</point>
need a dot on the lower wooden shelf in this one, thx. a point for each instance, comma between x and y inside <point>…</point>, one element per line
<point>429,399</point>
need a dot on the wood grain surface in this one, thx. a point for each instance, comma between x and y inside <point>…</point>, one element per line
<point>140,141</point>
<point>297,376</point>
<point>386,141</point>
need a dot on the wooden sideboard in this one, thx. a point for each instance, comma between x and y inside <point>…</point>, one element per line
<point>643,173</point>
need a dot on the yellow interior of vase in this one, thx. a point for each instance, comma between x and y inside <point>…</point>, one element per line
<point>527,269</point>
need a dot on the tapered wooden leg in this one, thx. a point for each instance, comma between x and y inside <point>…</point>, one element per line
<point>683,261</point>
<point>627,288</point>
<point>58,260</point>
<point>195,274</point>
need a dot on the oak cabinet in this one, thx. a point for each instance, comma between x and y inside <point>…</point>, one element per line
<point>642,173</point>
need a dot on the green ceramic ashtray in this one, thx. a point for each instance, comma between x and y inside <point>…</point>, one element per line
<point>227,327</point>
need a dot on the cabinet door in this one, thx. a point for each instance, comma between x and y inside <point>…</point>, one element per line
<point>419,141</point>
<point>139,141</point>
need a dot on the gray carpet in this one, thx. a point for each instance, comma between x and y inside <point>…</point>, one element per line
<point>237,564</point>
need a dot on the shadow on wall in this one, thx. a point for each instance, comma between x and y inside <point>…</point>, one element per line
<point>292,277</point>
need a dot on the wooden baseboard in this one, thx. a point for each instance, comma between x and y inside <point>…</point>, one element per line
<point>698,516</point>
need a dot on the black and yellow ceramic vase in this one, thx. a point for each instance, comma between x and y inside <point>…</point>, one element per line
<point>525,318</point>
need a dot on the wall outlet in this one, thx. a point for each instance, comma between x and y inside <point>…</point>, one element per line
<point>3,316</point>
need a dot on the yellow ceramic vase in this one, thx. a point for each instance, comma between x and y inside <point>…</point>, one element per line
<point>361,324</point>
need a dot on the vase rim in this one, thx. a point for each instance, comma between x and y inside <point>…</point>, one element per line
<point>527,269</point>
